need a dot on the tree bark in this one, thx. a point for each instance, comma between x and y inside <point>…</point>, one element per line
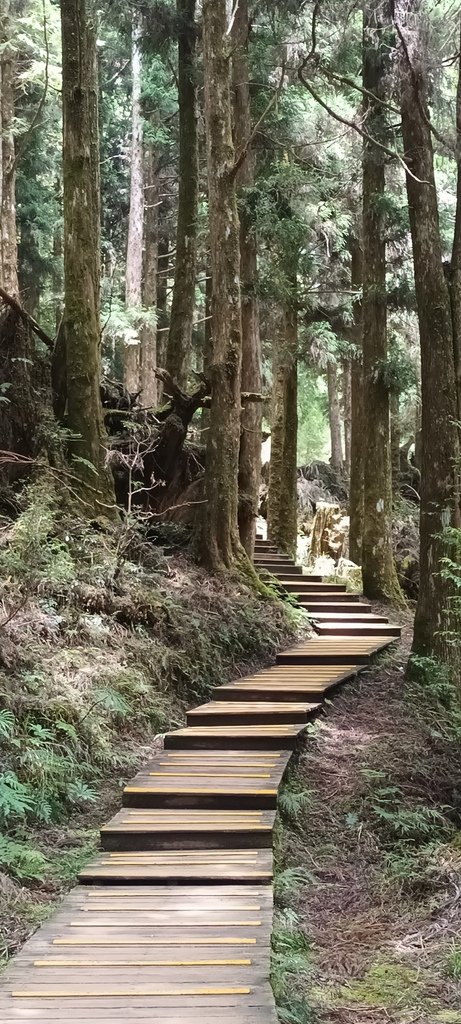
<point>133,274</point>
<point>282,503</point>
<point>347,414</point>
<point>455,274</point>
<point>250,439</point>
<point>334,418</point>
<point>436,615</point>
<point>379,575</point>
<point>357,421</point>
<point>80,325</point>
<point>8,241</point>
<point>395,443</point>
<point>149,330</point>
<point>221,537</point>
<point>183,301</point>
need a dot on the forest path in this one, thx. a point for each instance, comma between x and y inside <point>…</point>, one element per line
<point>172,921</point>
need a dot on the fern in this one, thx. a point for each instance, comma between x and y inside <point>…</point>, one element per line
<point>16,798</point>
<point>22,861</point>
<point>7,723</point>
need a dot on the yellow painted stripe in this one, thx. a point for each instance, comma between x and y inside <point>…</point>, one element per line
<point>196,789</point>
<point>145,823</point>
<point>147,910</point>
<point>201,941</point>
<point>56,962</point>
<point>217,754</point>
<point>217,764</point>
<point>167,924</point>
<point>107,993</point>
<point>208,775</point>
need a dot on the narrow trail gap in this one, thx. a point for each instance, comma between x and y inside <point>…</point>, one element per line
<point>172,920</point>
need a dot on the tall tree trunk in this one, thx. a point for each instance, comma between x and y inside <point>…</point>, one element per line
<point>379,575</point>
<point>183,302</point>
<point>221,537</point>
<point>8,242</point>
<point>334,418</point>
<point>282,525</point>
<point>80,325</point>
<point>395,443</point>
<point>347,413</point>
<point>358,439</point>
<point>149,330</point>
<point>435,614</point>
<point>455,275</point>
<point>133,274</point>
<point>250,439</point>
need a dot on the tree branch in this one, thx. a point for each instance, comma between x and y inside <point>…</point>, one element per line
<point>240,159</point>
<point>27,318</point>
<point>355,127</point>
<point>36,118</point>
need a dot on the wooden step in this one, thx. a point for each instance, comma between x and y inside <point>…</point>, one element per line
<point>263,713</point>
<point>241,737</point>
<point>332,606</point>
<point>336,628</point>
<point>351,616</point>
<point>223,779</point>
<point>147,953</point>
<point>290,571</point>
<point>291,686</point>
<point>182,867</point>
<point>334,651</point>
<point>154,829</point>
<point>305,587</point>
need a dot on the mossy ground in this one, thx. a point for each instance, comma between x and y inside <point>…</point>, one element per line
<point>105,639</point>
<point>368,919</point>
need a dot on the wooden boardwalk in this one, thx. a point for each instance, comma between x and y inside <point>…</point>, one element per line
<point>172,920</point>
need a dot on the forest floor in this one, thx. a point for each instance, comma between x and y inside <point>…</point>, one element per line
<point>105,640</point>
<point>368,926</point>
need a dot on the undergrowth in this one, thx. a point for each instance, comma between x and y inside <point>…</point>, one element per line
<point>104,641</point>
<point>369,857</point>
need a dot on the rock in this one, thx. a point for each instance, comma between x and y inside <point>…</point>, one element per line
<point>332,487</point>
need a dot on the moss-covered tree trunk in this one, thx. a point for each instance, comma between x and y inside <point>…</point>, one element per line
<point>334,418</point>
<point>455,275</point>
<point>435,613</point>
<point>183,301</point>
<point>250,439</point>
<point>8,243</point>
<point>133,270</point>
<point>282,505</point>
<point>357,425</point>
<point>221,544</point>
<point>80,324</point>
<point>379,575</point>
<point>149,330</point>
<point>395,442</point>
<point>347,413</point>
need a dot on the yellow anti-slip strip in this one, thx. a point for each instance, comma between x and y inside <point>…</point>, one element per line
<point>195,789</point>
<point>208,775</point>
<point>107,993</point>
<point>57,962</point>
<point>218,754</point>
<point>128,941</point>
<point>128,909</point>
<point>167,924</point>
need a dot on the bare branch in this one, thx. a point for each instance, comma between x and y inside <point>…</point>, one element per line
<point>36,118</point>
<point>27,318</point>
<point>240,159</point>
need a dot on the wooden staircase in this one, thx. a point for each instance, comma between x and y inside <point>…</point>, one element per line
<point>172,920</point>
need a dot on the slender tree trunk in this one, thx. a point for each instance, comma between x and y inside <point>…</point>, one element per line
<point>221,537</point>
<point>250,440</point>
<point>347,415</point>
<point>8,241</point>
<point>149,330</point>
<point>455,275</point>
<point>183,302</point>
<point>80,325</point>
<point>379,575</point>
<point>435,614</point>
<point>358,439</point>
<point>282,502</point>
<point>133,275</point>
<point>334,418</point>
<point>395,443</point>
